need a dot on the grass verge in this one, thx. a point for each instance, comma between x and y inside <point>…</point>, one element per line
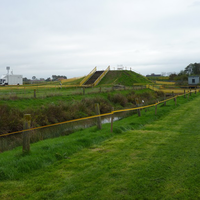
<point>151,157</point>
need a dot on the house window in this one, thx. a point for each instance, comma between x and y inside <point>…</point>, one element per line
<point>193,80</point>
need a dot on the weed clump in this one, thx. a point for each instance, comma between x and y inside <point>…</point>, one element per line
<point>12,118</point>
<point>118,99</point>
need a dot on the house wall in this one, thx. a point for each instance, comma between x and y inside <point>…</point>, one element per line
<point>193,80</point>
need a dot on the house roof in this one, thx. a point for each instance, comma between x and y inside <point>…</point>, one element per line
<point>193,76</point>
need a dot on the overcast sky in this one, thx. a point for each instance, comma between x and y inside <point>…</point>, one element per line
<point>70,37</point>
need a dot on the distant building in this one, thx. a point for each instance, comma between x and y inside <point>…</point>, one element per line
<point>153,75</point>
<point>193,80</point>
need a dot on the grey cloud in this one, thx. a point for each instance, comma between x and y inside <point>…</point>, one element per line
<point>196,3</point>
<point>70,37</point>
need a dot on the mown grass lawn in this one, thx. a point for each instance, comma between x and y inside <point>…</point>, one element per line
<point>140,160</point>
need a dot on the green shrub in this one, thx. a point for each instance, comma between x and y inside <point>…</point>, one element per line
<point>63,110</point>
<point>119,99</point>
<point>11,119</point>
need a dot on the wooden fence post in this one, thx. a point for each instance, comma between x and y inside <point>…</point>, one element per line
<point>112,118</point>
<point>137,104</point>
<point>156,109</point>
<point>26,134</point>
<point>34,93</point>
<point>190,92</point>
<point>139,113</point>
<point>175,100</point>
<point>97,110</point>
<point>165,99</point>
<point>184,93</point>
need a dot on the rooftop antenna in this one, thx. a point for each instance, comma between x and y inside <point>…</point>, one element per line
<point>8,68</point>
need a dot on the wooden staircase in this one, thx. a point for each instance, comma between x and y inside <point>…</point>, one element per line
<point>93,78</point>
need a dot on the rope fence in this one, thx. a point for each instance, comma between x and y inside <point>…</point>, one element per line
<point>11,140</point>
<point>94,116</point>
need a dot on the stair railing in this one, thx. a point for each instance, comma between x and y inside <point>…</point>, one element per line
<point>101,76</point>
<point>88,76</point>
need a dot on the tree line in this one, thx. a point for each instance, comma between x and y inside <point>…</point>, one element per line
<point>191,69</point>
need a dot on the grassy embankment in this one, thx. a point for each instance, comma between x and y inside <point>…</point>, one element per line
<point>59,104</point>
<point>151,157</point>
<point>125,77</point>
<point>47,89</point>
<point>23,98</point>
<point>56,109</point>
<point>24,103</point>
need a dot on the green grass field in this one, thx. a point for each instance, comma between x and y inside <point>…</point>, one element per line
<point>125,77</point>
<point>147,157</point>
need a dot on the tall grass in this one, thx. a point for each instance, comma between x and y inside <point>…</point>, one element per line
<point>14,165</point>
<point>58,108</point>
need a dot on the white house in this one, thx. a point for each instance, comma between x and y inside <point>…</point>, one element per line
<point>193,80</point>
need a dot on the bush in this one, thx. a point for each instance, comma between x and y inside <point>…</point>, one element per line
<point>119,99</point>
<point>159,94</point>
<point>11,119</point>
<point>131,97</point>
